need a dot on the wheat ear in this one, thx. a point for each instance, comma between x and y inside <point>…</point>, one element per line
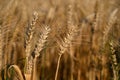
<point>39,46</point>
<point>42,39</point>
<point>109,26</point>
<point>68,39</point>
<point>30,33</point>
<point>114,62</point>
<point>64,46</point>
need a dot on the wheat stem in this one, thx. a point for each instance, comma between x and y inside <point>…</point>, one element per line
<point>58,65</point>
<point>1,41</point>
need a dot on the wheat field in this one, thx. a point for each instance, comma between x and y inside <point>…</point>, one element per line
<point>59,40</point>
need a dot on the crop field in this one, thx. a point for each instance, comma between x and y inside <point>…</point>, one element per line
<point>59,39</point>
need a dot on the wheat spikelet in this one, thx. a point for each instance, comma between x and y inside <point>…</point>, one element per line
<point>67,41</point>
<point>30,33</point>
<point>42,39</point>
<point>109,26</point>
<point>70,15</point>
<point>97,15</point>
<point>114,62</point>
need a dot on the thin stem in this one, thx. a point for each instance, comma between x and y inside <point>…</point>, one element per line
<point>72,62</point>
<point>58,65</point>
<point>34,75</point>
<point>1,41</point>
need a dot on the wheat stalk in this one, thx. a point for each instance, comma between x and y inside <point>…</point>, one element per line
<point>1,45</point>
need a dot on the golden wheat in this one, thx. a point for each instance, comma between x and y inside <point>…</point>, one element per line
<point>28,43</point>
<point>39,46</point>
